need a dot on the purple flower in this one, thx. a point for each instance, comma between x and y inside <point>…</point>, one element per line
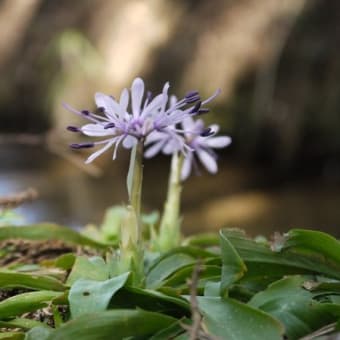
<point>134,118</point>
<point>197,143</point>
<point>202,141</point>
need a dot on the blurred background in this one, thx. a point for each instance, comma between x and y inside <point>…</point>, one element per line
<point>277,63</point>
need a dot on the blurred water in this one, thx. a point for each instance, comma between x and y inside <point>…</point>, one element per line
<point>238,196</point>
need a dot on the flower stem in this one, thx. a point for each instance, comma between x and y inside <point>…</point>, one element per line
<point>136,162</point>
<point>170,233</point>
<point>131,250</point>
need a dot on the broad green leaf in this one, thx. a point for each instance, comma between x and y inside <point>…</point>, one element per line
<point>259,275</point>
<point>132,297</point>
<point>180,277</point>
<point>110,228</point>
<point>165,268</point>
<point>313,243</point>
<point>93,268</point>
<point>294,306</point>
<point>311,260</point>
<point>48,231</point>
<point>203,240</point>
<point>170,332</point>
<point>212,288</point>
<point>88,296</point>
<point>65,261</point>
<point>114,325</point>
<point>232,320</point>
<point>171,262</point>
<point>22,323</point>
<point>30,281</point>
<point>233,267</point>
<point>26,302</point>
<point>12,336</point>
<point>39,333</point>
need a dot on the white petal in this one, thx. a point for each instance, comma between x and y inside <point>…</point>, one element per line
<point>95,130</point>
<point>218,142</point>
<point>173,101</point>
<point>154,149</point>
<point>188,124</point>
<point>165,95</point>
<point>155,136</point>
<point>137,91</point>
<point>100,151</point>
<point>171,147</point>
<point>186,167</point>
<point>124,99</point>
<point>207,160</point>
<point>214,127</point>
<point>129,142</point>
<point>112,108</point>
<point>154,105</point>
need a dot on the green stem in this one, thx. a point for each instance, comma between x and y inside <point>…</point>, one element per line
<point>136,185</point>
<point>170,233</point>
<point>131,249</point>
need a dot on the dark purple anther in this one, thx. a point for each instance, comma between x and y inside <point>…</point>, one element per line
<point>100,109</point>
<point>206,132</point>
<point>109,125</point>
<point>73,129</point>
<point>85,112</point>
<point>149,96</point>
<point>192,97</point>
<point>203,110</point>
<point>196,108</point>
<point>81,145</point>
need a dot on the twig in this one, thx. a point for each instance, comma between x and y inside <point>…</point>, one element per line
<point>13,201</point>
<point>326,330</point>
<point>195,330</point>
<point>49,141</point>
<point>195,313</point>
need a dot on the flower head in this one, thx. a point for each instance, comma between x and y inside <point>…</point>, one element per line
<point>202,140</point>
<point>135,117</point>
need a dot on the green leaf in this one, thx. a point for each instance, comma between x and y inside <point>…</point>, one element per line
<point>232,320</point>
<point>132,297</point>
<point>212,288</point>
<point>26,302</point>
<point>110,228</point>
<point>203,240</point>
<point>30,281</point>
<point>180,277</point>
<point>39,333</point>
<point>171,262</point>
<point>65,261</point>
<point>301,259</point>
<point>22,323</point>
<point>165,268</point>
<point>12,336</point>
<point>170,332</point>
<point>233,267</point>
<point>48,231</point>
<point>88,296</point>
<point>315,244</point>
<point>93,268</point>
<point>294,306</point>
<point>114,325</point>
